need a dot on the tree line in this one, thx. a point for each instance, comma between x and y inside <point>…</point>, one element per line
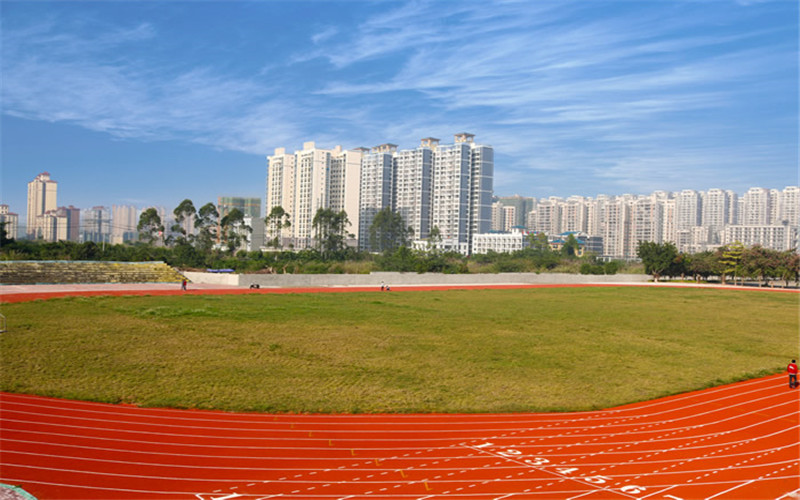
<point>215,243</point>
<point>730,262</point>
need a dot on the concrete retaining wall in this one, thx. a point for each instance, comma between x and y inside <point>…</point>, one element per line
<point>400,279</point>
<point>228,279</point>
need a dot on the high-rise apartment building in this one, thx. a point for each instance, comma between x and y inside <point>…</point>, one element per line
<point>647,219</point>
<point>124,220</point>
<point>97,224</point>
<point>280,193</point>
<point>790,207</point>
<point>448,187</point>
<point>757,204</point>
<point>692,220</point>
<point>450,196</point>
<point>688,209</point>
<point>413,170</point>
<point>308,180</point>
<point>377,169</point>
<point>522,205</point>
<point>10,221</point>
<point>250,207</point>
<point>42,193</point>
<point>481,186</point>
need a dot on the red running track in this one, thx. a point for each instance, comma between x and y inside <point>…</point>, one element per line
<point>732,442</point>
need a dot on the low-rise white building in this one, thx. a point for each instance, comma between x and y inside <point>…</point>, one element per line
<point>499,242</point>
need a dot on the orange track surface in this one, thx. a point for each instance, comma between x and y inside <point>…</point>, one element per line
<point>738,441</point>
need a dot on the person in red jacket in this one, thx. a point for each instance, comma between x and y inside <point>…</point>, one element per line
<point>792,369</point>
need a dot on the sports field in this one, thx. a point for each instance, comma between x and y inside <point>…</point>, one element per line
<point>462,351</point>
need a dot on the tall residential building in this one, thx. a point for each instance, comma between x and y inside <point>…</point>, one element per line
<point>509,216</point>
<point>250,207</point>
<point>377,168</point>
<point>756,207</point>
<point>308,180</point>
<point>97,224</point>
<point>344,180</point>
<point>42,193</point>
<point>11,221</point>
<point>647,219</point>
<point>688,209</point>
<point>450,196</point>
<point>481,180</point>
<point>498,217</point>
<point>280,192</point>
<point>411,188</point>
<point>523,205</point>
<point>312,166</point>
<point>124,219</point>
<point>574,214</point>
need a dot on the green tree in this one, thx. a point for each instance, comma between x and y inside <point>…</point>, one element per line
<point>388,231</point>
<point>538,242</point>
<point>434,239</point>
<point>702,265</point>
<point>206,225</point>
<point>656,257</point>
<point>233,229</point>
<point>277,220</point>
<point>331,231</point>
<point>730,259</point>
<point>150,227</point>
<point>789,267</point>
<point>184,213</point>
<point>571,247</point>
<point>4,239</point>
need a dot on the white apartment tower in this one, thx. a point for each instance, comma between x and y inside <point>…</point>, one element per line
<point>648,219</point>
<point>344,181</point>
<point>451,190</point>
<point>312,166</point>
<point>377,168</point>
<point>444,186</point>
<point>42,193</point>
<point>756,207</point>
<point>790,207</point>
<point>574,215</point>
<point>481,186</point>
<point>688,209</point>
<point>412,186</point>
<point>11,221</point>
<point>280,190</point>
<point>123,224</point>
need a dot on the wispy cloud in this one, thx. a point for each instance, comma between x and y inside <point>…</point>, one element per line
<point>612,90</point>
<point>59,76</point>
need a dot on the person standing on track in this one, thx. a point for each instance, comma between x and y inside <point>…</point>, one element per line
<point>792,370</point>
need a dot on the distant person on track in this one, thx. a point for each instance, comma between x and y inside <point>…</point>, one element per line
<point>183,285</point>
<point>792,370</point>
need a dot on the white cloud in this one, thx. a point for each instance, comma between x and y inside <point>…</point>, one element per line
<point>552,85</point>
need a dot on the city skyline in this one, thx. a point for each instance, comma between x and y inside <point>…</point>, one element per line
<point>693,219</point>
<point>148,104</point>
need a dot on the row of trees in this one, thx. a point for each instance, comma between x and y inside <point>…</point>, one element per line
<point>733,261</point>
<point>229,231</point>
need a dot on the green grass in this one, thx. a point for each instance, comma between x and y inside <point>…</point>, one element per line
<point>445,351</point>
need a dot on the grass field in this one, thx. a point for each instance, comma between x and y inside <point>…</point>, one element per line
<point>546,349</point>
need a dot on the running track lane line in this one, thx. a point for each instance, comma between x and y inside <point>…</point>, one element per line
<point>677,447</point>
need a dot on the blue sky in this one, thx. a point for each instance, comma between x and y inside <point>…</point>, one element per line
<point>149,102</point>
